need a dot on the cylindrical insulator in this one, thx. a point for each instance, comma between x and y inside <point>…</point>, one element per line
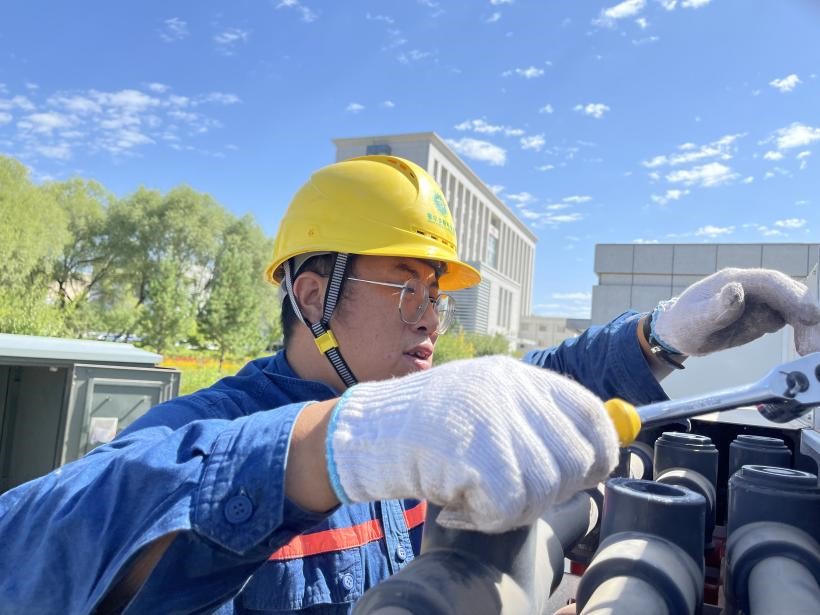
<point>748,449</point>
<point>771,567</point>
<point>641,460</point>
<point>651,548</point>
<point>782,585</point>
<point>763,493</point>
<point>698,483</point>
<point>459,571</point>
<point>625,595</point>
<point>671,512</point>
<point>687,450</point>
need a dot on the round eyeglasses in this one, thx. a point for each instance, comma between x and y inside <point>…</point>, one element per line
<point>414,299</point>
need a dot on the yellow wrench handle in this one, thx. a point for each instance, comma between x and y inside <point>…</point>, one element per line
<point>626,419</point>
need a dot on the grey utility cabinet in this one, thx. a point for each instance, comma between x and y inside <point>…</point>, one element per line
<point>59,398</point>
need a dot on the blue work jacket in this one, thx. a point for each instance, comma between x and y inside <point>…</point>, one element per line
<point>211,466</point>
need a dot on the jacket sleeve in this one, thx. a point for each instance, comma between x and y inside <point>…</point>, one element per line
<point>66,538</point>
<point>606,359</point>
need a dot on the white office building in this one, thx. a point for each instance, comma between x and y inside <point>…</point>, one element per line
<point>546,331</point>
<point>490,237</point>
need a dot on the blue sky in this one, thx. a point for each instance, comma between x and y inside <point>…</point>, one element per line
<point>597,122</point>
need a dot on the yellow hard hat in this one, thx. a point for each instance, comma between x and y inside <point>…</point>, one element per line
<point>375,206</point>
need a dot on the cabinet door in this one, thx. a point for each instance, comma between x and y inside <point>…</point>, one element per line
<point>106,400</point>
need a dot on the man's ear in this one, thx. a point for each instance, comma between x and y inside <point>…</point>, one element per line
<point>309,290</point>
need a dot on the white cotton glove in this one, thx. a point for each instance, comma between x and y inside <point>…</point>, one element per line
<point>494,441</point>
<point>735,306</point>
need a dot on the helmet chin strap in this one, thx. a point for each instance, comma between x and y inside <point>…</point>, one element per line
<point>323,336</point>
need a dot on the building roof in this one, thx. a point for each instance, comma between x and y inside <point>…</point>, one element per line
<point>31,349</point>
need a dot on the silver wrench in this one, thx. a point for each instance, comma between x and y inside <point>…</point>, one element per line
<point>787,392</point>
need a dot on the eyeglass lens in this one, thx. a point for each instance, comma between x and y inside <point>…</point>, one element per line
<point>414,301</point>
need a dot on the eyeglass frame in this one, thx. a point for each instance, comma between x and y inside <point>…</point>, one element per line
<point>404,288</point>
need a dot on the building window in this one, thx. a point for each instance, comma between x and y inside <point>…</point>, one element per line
<point>378,149</point>
<point>492,243</point>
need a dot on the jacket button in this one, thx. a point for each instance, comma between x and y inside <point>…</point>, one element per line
<point>238,509</point>
<point>401,554</point>
<point>347,581</point>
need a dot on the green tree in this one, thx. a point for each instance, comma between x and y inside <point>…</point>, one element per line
<point>455,344</point>
<point>166,247</point>
<point>232,316</point>
<point>32,233</point>
<point>489,344</point>
<point>88,256</point>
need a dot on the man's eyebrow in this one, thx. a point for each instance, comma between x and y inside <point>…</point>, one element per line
<point>405,267</point>
<point>415,273</point>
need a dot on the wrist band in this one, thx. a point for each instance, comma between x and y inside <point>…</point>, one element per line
<point>656,347</point>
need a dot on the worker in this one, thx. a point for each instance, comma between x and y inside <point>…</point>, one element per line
<point>299,483</point>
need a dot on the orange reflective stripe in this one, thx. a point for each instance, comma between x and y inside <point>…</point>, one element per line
<point>415,516</point>
<point>327,541</point>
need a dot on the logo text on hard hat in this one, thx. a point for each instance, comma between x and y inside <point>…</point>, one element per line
<point>442,222</point>
<point>440,204</point>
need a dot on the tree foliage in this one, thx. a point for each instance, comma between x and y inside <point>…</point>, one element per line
<point>167,271</point>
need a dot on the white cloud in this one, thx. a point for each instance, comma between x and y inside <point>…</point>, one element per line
<point>796,135</point>
<point>388,104</point>
<point>127,100</point>
<point>16,102</point>
<point>791,223</point>
<point>386,19</point>
<point>496,188</point>
<point>229,39</point>
<point>545,167</point>
<point>577,198</point>
<point>546,109</point>
<point>500,2</point>
<point>721,148</point>
<point>645,41</point>
<point>117,122</point>
<point>627,8</point>
<point>642,23</point>
<point>534,142</point>
<point>670,195</point>
<point>803,154</point>
<point>522,198</point>
<point>694,4</point>
<point>220,98</point>
<point>548,218</point>
<point>573,296</point>
<point>706,176</point>
<point>174,29</point>
<point>481,126</point>
<point>5,118</point>
<point>557,206</point>
<point>482,151</point>
<point>308,15</point>
<point>531,72</point>
<point>772,155</point>
<point>45,123</point>
<point>645,241</point>
<point>714,231</point>
<point>748,180</point>
<point>414,55</point>
<point>493,18</point>
<point>595,110</point>
<point>159,88</point>
<point>354,107</point>
<point>61,151</point>
<point>786,84</point>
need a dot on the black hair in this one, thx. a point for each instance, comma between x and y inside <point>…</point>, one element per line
<point>323,265</point>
